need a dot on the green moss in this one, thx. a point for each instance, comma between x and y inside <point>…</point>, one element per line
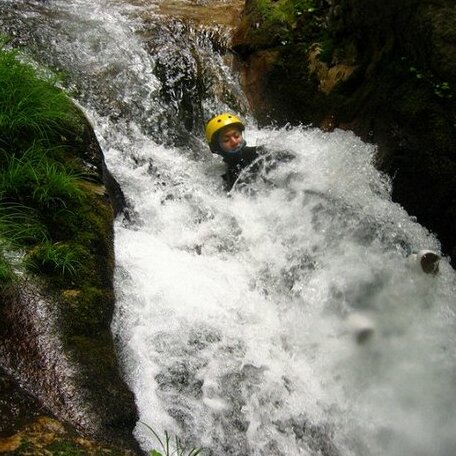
<point>42,442</point>
<point>87,310</point>
<point>274,23</point>
<point>99,355</point>
<point>65,448</point>
<point>283,11</point>
<point>25,448</point>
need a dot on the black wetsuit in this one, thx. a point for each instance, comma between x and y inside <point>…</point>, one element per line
<point>238,161</point>
<point>254,158</point>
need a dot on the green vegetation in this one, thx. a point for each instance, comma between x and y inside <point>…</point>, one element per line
<point>20,226</point>
<point>280,23</point>
<point>56,221</point>
<point>32,109</point>
<point>65,448</point>
<point>39,183</point>
<point>54,257</point>
<point>6,273</point>
<point>165,443</point>
<point>285,11</point>
<point>59,442</point>
<point>56,228</point>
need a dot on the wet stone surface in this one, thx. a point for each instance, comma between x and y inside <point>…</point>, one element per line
<point>203,12</point>
<point>16,406</point>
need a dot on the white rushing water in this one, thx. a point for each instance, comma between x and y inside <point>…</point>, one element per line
<point>233,310</point>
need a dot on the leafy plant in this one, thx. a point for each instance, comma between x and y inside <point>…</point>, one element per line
<point>179,449</point>
<point>16,173</point>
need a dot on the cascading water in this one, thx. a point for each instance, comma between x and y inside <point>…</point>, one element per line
<point>232,309</point>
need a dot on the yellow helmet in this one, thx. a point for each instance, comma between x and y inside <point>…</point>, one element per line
<point>220,121</point>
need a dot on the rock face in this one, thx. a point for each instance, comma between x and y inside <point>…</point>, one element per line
<point>55,332</point>
<point>386,70</point>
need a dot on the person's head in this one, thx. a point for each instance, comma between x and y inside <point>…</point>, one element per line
<point>224,133</point>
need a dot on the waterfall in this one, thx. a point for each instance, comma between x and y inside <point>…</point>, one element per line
<point>233,310</point>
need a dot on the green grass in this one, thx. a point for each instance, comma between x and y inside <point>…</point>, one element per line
<point>38,181</point>
<point>20,226</point>
<point>58,257</point>
<point>7,275</point>
<point>31,109</point>
<point>55,186</point>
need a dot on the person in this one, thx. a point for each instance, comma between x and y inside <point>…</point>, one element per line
<point>224,134</point>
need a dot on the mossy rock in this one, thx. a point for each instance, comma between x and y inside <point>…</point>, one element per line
<point>46,436</point>
<point>55,317</point>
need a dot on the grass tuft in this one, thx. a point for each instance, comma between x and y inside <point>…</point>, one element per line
<point>38,127</point>
<point>55,186</point>
<point>20,226</point>
<point>166,446</point>
<point>50,258</point>
<point>32,108</point>
<point>7,276</point>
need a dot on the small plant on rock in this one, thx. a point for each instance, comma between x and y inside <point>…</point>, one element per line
<point>55,257</point>
<point>166,446</point>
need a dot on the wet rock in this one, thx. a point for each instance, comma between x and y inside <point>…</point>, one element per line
<point>55,328</point>
<point>46,436</point>
<point>16,406</point>
<point>385,70</point>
